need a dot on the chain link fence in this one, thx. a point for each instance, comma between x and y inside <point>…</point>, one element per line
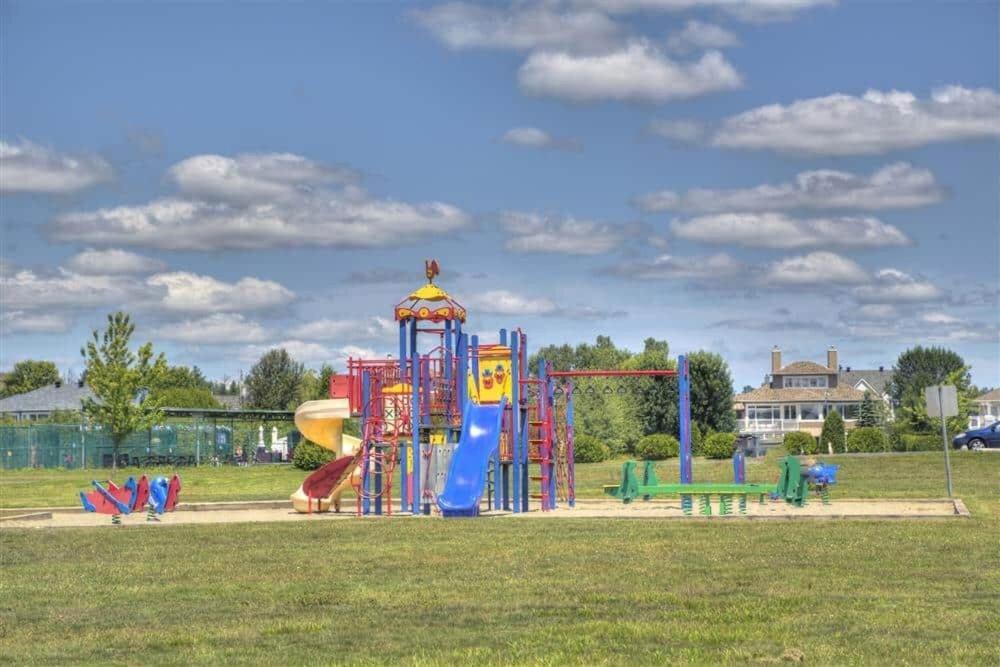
<point>77,446</point>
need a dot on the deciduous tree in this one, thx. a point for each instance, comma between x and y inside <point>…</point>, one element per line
<point>120,380</point>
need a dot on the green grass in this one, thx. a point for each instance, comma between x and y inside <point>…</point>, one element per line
<point>540,591</point>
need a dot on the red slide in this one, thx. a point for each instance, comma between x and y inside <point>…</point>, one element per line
<point>321,483</point>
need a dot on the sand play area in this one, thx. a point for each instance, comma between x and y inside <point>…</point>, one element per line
<point>273,511</point>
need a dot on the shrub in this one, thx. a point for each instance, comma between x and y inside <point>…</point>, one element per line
<point>800,442</point>
<point>920,442</point>
<point>718,445</point>
<point>867,439</point>
<point>832,435</point>
<point>310,456</point>
<point>588,449</point>
<point>697,437</point>
<point>657,447</point>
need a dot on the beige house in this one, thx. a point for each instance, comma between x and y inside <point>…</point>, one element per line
<point>799,396</point>
<point>985,409</point>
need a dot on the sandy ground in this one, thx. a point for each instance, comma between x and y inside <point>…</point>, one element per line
<point>207,513</point>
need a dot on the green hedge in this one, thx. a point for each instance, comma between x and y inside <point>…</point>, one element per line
<point>588,449</point>
<point>833,435</point>
<point>867,439</point>
<point>657,447</point>
<point>718,445</point>
<point>915,442</point>
<point>800,442</point>
<point>310,456</point>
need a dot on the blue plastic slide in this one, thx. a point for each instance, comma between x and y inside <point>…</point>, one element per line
<point>466,481</point>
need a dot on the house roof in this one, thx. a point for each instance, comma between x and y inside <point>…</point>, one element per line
<point>800,395</point>
<point>990,396</point>
<point>876,379</point>
<point>47,399</point>
<point>229,401</point>
<point>804,368</point>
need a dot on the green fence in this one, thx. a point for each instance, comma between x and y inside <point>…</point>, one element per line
<point>85,446</point>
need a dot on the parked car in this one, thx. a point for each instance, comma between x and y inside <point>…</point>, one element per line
<point>980,438</point>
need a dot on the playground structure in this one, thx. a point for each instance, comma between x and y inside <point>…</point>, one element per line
<point>158,495</point>
<point>793,486</point>
<point>461,423</point>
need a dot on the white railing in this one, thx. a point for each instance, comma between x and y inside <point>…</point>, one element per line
<point>781,425</point>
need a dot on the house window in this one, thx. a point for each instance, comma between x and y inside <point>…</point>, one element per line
<point>807,381</point>
<point>764,413</point>
<point>810,411</point>
<point>790,412</point>
<point>846,410</point>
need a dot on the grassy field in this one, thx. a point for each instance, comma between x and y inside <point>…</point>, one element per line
<point>489,591</point>
<point>862,476</point>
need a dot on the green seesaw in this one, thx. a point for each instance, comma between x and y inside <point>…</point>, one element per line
<point>793,487</point>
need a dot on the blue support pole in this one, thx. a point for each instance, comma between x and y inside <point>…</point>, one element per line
<point>684,381</point>
<point>570,447</point>
<point>404,450</point>
<point>525,428</point>
<point>515,419</point>
<point>475,362</point>
<point>415,416</point>
<point>366,458</point>
<point>739,467</point>
<point>550,389</point>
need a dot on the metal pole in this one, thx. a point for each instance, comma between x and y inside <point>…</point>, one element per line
<point>944,440</point>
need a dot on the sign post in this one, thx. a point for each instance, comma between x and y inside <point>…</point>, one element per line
<point>942,402</point>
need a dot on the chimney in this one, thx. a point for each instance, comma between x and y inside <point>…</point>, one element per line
<point>775,359</point>
<point>881,369</point>
<point>58,383</point>
<point>831,358</point>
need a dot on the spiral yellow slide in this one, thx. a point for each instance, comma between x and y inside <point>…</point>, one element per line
<point>322,422</point>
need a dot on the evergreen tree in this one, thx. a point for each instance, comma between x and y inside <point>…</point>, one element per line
<point>273,382</point>
<point>868,414</point>
<point>833,436</point>
<point>711,391</point>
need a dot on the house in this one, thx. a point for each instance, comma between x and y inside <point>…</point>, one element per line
<point>42,402</point>
<point>985,409</point>
<point>799,396</point>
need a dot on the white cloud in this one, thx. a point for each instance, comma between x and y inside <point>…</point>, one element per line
<point>680,131</point>
<point>505,302</point>
<point>307,352</point>
<point>777,230</point>
<point>876,122</point>
<point>218,328</point>
<point>753,11</point>
<point>532,137</point>
<point>63,293</point>
<point>460,25</point>
<point>636,72</point>
<point>374,328</point>
<point>192,293</point>
<point>28,167</point>
<point>815,269</point>
<point>698,35</point>
<point>533,232</point>
<point>230,207</point>
<point>63,290</point>
<point>940,318</point>
<point>713,268</point>
<point>113,262</point>
<point>894,286</point>
<point>254,177</point>
<point>19,321</point>
<point>897,185</point>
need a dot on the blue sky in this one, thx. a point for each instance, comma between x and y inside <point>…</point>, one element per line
<point>725,176</point>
